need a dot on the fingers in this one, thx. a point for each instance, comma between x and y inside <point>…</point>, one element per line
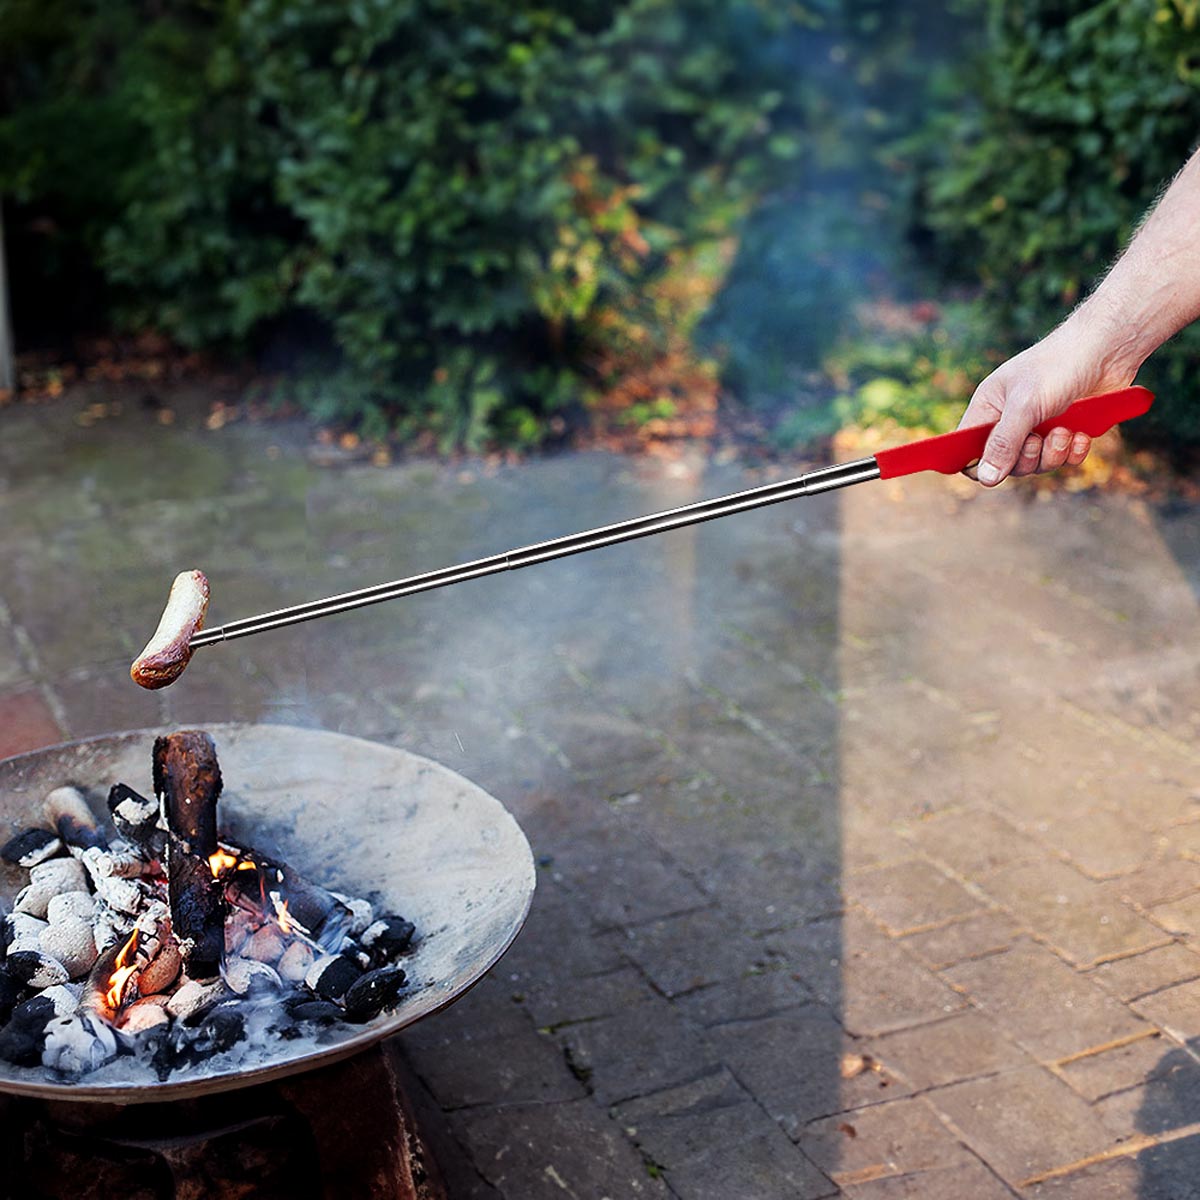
<point>1055,448</point>
<point>1006,442</point>
<point>1080,445</point>
<point>1030,458</point>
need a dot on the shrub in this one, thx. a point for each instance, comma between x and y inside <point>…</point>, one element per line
<point>445,211</point>
<point>1083,110</point>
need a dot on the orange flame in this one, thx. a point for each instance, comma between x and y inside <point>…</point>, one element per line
<point>287,923</point>
<point>121,973</point>
<point>220,862</point>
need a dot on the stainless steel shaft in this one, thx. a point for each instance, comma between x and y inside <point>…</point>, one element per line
<point>823,480</point>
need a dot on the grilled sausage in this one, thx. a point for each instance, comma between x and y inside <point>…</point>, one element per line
<point>168,651</point>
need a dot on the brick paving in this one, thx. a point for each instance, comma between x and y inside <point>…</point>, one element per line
<point>868,826</point>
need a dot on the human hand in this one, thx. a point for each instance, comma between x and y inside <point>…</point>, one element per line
<point>1034,386</point>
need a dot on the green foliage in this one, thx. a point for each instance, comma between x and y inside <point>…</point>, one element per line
<point>916,370</point>
<point>460,203</point>
<point>1082,111</point>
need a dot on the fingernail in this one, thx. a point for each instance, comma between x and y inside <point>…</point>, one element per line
<point>1060,441</point>
<point>988,474</point>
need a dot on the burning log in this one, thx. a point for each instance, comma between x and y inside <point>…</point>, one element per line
<point>281,892</point>
<point>187,781</point>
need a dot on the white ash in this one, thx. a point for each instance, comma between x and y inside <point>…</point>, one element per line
<point>66,905</point>
<point>78,1044</point>
<point>119,860</point>
<point>65,997</point>
<point>362,912</point>
<point>122,895</point>
<point>24,927</point>
<point>46,880</point>
<point>293,965</point>
<point>73,942</point>
<point>244,975</point>
<point>109,927</point>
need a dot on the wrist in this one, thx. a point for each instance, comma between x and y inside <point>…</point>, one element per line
<point>1114,344</point>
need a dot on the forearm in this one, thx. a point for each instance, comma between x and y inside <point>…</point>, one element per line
<point>1153,290</point>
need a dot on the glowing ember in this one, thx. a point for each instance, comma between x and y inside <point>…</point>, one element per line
<point>223,861</point>
<point>121,973</point>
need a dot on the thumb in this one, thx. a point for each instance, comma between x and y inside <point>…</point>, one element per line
<point>1005,441</point>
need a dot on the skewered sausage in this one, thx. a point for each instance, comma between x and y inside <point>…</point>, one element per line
<point>169,650</point>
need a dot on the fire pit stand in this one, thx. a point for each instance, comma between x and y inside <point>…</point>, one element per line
<point>344,1130</point>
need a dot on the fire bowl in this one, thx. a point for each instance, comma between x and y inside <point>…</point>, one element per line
<point>352,815</point>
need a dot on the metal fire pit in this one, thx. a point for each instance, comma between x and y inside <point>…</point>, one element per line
<point>352,815</point>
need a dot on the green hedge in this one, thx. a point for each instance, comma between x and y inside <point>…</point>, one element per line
<point>1069,122</point>
<point>448,209</point>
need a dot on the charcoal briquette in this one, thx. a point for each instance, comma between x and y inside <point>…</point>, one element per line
<point>35,969</point>
<point>221,1030</point>
<point>30,847</point>
<point>374,992</point>
<point>24,1037</point>
<point>10,995</point>
<point>317,1012</point>
<point>387,937</point>
<point>330,977</point>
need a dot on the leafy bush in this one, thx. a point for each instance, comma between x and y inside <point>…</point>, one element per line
<point>446,210</point>
<point>1082,111</point>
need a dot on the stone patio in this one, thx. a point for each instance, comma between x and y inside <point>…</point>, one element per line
<point>868,826</point>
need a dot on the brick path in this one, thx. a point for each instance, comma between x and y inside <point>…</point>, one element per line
<point>868,826</point>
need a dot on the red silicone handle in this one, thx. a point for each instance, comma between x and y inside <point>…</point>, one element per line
<point>951,452</point>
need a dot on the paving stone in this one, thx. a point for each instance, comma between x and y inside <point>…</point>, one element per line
<point>1163,1102</point>
<point>1101,844</point>
<point>1022,1123</point>
<point>643,1049</point>
<point>1042,1004</point>
<point>761,994</point>
<point>1175,1009</point>
<point>621,879</point>
<point>964,1181</point>
<point>793,1065</point>
<point>485,1050</point>
<point>1072,913</point>
<point>680,954</point>
<point>897,1138</point>
<point>1160,883</point>
<point>850,964</point>
<point>543,1152</point>
<point>570,1001</point>
<point>1129,978</point>
<point>960,1047</point>
<point>988,933</point>
<point>1114,1070</point>
<point>714,1141</point>
<point>26,722</point>
<point>1116,1179</point>
<point>1179,916</point>
<point>973,842</point>
<point>910,896</point>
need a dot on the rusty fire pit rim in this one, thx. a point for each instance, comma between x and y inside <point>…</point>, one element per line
<point>375,1031</point>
